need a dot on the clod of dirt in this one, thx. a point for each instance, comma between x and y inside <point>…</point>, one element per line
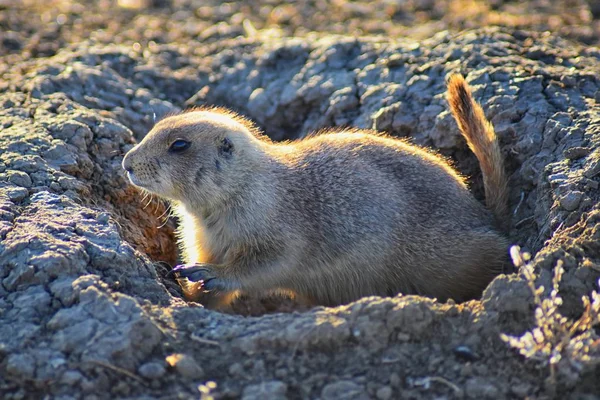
<point>186,366</point>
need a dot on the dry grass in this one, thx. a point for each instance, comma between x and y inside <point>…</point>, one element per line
<point>565,346</point>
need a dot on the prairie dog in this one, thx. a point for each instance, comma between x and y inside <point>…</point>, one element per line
<point>333,217</point>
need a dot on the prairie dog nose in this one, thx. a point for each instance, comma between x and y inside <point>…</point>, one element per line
<point>126,164</point>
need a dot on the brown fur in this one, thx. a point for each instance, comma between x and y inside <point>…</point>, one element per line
<point>482,141</point>
<point>331,218</point>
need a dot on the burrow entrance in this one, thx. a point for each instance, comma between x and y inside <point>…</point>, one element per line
<point>293,89</point>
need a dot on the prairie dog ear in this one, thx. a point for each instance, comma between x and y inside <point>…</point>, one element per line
<point>226,147</point>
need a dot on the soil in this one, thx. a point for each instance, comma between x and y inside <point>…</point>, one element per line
<point>86,307</point>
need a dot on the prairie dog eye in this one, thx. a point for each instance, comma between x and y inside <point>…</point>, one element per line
<point>226,147</point>
<point>179,146</point>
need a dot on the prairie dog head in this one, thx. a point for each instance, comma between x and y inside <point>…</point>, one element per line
<point>198,157</point>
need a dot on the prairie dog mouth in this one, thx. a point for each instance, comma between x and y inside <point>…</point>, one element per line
<point>134,179</point>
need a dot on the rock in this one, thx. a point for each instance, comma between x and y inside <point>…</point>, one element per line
<point>384,393</point>
<point>521,390</point>
<point>575,153</point>
<point>236,369</point>
<point>29,164</point>
<point>557,179</point>
<point>152,370</point>
<point>266,390</point>
<point>21,366</point>
<point>343,390</point>
<point>21,274</point>
<point>19,178</point>
<point>17,194</point>
<point>478,388</point>
<point>592,169</point>
<point>571,200</point>
<point>71,378</point>
<point>185,365</point>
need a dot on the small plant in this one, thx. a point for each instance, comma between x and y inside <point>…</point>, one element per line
<point>556,340</point>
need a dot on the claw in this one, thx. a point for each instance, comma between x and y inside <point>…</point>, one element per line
<point>175,270</point>
<point>194,273</point>
<point>199,273</point>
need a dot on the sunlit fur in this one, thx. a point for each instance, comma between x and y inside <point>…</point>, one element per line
<point>481,138</point>
<point>333,217</point>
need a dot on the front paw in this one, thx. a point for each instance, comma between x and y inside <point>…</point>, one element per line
<point>203,273</point>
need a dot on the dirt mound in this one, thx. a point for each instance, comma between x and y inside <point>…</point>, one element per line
<point>86,310</point>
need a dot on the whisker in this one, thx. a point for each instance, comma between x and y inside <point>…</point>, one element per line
<point>167,208</point>
<point>156,206</point>
<point>149,201</point>
<point>167,217</point>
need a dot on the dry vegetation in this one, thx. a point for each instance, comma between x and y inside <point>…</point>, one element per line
<point>563,345</point>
